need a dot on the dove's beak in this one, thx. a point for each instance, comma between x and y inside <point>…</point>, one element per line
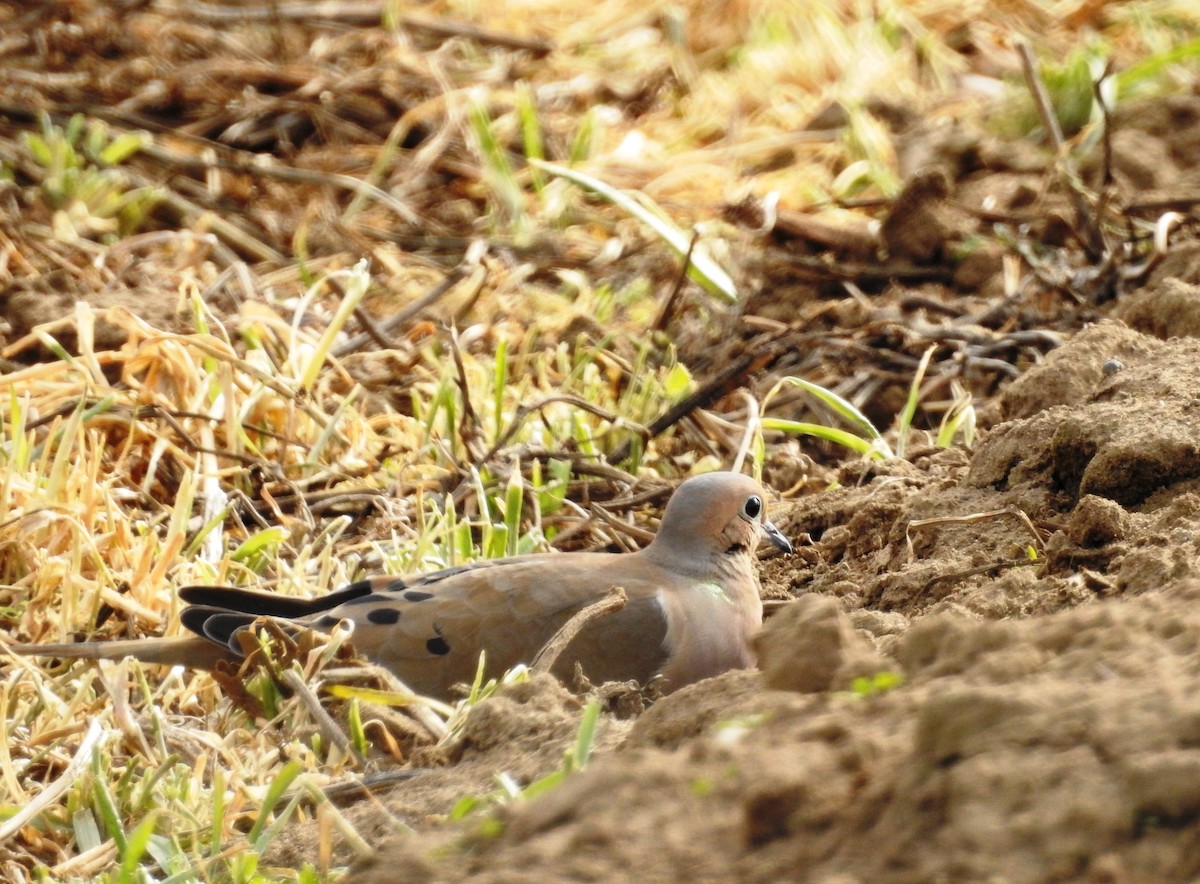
<point>776,537</point>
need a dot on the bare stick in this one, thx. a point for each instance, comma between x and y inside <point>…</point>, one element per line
<point>324,721</point>
<point>750,362</point>
<point>1093,242</point>
<point>548,655</point>
<point>668,308</point>
<point>368,13</point>
<point>390,324</point>
<point>974,517</point>
<point>971,572</point>
<point>1106,142</point>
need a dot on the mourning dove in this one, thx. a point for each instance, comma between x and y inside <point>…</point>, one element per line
<point>693,605</point>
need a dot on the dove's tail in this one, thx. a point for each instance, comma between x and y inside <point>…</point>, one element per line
<point>191,651</point>
<point>215,613</point>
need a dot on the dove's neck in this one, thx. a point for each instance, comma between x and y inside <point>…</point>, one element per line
<point>732,573</point>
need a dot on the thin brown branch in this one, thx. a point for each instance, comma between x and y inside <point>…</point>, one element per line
<point>754,358</point>
<point>362,13</point>
<point>1089,230</point>
<point>668,308</point>
<point>549,654</point>
<point>389,325</point>
<point>1011,512</point>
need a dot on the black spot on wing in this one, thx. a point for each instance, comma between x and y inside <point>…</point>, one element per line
<point>416,595</point>
<point>438,646</point>
<point>326,622</point>
<point>383,616</point>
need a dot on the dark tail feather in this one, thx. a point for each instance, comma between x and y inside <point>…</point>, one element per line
<point>266,604</point>
<point>215,624</point>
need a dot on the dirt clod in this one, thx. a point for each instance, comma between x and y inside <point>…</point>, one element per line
<point>811,646</point>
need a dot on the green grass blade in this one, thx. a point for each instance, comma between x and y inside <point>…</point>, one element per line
<point>498,171</point>
<point>514,499</point>
<point>910,404</point>
<point>1151,69</point>
<point>531,131</point>
<point>702,269</point>
<point>216,829</point>
<point>959,418</point>
<point>135,847</point>
<point>844,408</point>
<point>583,145</point>
<point>105,803</point>
<point>587,735</point>
<point>499,386</point>
<point>358,281</point>
<point>282,782</point>
<point>829,434</point>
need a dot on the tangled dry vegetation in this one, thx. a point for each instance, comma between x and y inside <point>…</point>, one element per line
<point>283,302</point>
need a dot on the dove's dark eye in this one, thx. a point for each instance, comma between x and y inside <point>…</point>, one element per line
<point>753,507</point>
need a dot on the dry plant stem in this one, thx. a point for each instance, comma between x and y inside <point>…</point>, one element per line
<point>974,517</point>
<point>470,428</point>
<point>1163,228</point>
<point>372,329</point>
<point>1181,203</point>
<point>1106,132</point>
<point>563,539</point>
<point>653,495</point>
<point>328,727</point>
<point>755,358</point>
<point>389,325</point>
<point>1092,240</point>
<point>210,346</point>
<point>771,607</point>
<point>48,796</point>
<point>668,308</point>
<point>361,787</point>
<point>89,864</point>
<point>548,655</point>
<point>362,12</point>
<point>623,530</point>
<point>585,465</point>
<point>843,237</point>
<point>429,713</point>
<point>866,273</point>
<point>234,160</point>
<point>329,817</point>
<point>748,433</point>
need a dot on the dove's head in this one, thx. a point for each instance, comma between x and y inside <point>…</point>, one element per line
<point>714,514</point>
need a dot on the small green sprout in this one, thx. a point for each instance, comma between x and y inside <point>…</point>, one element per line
<point>879,683</point>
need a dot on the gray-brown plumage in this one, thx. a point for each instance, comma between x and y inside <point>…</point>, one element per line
<point>693,604</point>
